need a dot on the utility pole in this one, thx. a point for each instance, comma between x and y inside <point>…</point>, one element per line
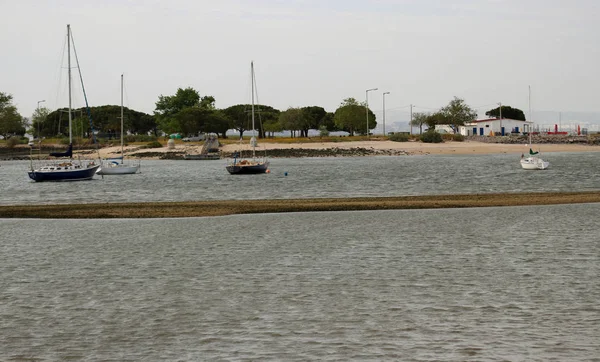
<point>367,107</point>
<point>384,93</point>
<point>411,119</point>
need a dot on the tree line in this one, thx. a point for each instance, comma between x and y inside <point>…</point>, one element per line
<point>188,113</point>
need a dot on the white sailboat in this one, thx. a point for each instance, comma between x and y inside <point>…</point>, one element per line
<point>113,166</point>
<point>66,168</point>
<point>533,161</point>
<point>254,165</point>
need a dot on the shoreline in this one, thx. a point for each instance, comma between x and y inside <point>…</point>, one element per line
<point>236,207</point>
<point>326,149</point>
<point>353,148</point>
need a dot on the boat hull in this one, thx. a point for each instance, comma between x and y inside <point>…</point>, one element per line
<point>248,169</point>
<point>63,175</point>
<point>534,163</point>
<point>118,170</point>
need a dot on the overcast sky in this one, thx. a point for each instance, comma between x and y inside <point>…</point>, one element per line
<point>308,52</point>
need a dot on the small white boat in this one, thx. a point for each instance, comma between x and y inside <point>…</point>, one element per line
<point>112,167</point>
<point>534,163</point>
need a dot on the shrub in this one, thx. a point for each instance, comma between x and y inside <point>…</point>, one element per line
<point>323,132</point>
<point>153,144</point>
<point>399,137</point>
<point>431,137</point>
<point>458,137</point>
<point>12,142</point>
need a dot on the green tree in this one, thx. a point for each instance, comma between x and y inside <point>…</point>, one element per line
<point>329,123</point>
<point>419,119</point>
<point>216,122</point>
<point>292,119</point>
<point>351,117</point>
<point>106,120</point>
<point>507,112</point>
<point>240,119</point>
<point>434,119</point>
<point>37,121</point>
<point>11,122</point>
<point>313,118</point>
<point>457,113</point>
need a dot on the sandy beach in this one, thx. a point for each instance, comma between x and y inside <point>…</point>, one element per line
<point>409,148</point>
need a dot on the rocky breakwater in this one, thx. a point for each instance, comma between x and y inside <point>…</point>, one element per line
<point>324,152</point>
<point>537,139</point>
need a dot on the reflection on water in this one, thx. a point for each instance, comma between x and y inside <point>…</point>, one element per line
<point>311,177</point>
<point>518,283</point>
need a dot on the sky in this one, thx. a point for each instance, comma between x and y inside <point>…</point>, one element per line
<point>310,52</point>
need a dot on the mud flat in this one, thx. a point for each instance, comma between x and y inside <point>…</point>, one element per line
<point>230,207</point>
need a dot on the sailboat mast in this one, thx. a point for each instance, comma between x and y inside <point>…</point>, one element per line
<point>122,118</point>
<point>252,80</point>
<point>69,72</point>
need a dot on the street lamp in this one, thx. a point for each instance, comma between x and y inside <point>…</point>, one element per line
<point>38,122</point>
<point>384,93</point>
<point>367,107</point>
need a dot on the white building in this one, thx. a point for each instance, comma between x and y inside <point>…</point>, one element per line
<point>495,127</point>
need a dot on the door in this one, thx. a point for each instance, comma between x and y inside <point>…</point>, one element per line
<point>481,131</point>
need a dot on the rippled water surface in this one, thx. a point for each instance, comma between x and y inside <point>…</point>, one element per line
<point>489,284</point>
<point>312,177</point>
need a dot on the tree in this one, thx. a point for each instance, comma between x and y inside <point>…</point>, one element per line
<point>434,119</point>
<point>240,117</point>
<point>106,120</point>
<point>507,112</point>
<point>419,119</point>
<point>184,112</point>
<point>216,122</point>
<point>292,119</point>
<point>37,120</point>
<point>11,122</point>
<point>170,105</point>
<point>457,113</point>
<point>351,117</point>
<point>313,118</point>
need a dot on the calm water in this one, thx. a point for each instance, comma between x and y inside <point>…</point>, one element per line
<point>492,284</point>
<point>312,177</point>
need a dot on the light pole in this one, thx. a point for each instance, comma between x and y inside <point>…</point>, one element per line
<point>38,122</point>
<point>384,93</point>
<point>367,107</point>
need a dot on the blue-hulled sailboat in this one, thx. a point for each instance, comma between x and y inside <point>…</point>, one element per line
<point>66,168</point>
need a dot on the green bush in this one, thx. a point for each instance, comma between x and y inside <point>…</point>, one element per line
<point>399,137</point>
<point>12,142</point>
<point>458,138</point>
<point>323,132</point>
<point>431,137</point>
<point>153,144</point>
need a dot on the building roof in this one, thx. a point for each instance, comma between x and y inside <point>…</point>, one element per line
<point>496,119</point>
